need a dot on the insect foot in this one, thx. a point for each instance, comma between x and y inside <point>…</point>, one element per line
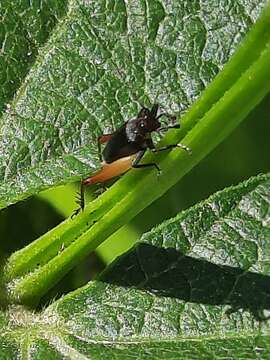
<point>184,147</point>
<point>159,173</point>
<point>75,213</point>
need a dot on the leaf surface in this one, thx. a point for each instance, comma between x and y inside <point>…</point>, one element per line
<point>171,293</point>
<point>226,102</point>
<point>100,61</point>
<point>24,28</point>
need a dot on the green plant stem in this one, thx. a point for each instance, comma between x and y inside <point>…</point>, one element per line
<point>248,51</point>
<point>47,246</point>
<point>52,255</point>
<point>222,118</point>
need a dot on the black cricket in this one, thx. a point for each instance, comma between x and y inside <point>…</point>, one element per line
<point>126,146</point>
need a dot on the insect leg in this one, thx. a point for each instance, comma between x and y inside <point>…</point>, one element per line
<point>136,165</point>
<point>168,147</point>
<point>170,117</point>
<point>152,147</point>
<point>80,201</point>
<point>176,126</point>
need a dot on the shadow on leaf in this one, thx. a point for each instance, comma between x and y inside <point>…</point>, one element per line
<point>168,272</point>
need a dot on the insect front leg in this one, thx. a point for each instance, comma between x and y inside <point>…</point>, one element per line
<point>172,146</point>
<point>172,118</point>
<point>168,127</point>
<point>139,155</point>
<point>152,147</point>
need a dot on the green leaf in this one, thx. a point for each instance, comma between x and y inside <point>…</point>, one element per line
<point>24,28</point>
<point>171,293</point>
<point>98,63</point>
<point>225,103</point>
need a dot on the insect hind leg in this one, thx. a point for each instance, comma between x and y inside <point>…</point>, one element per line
<point>79,200</point>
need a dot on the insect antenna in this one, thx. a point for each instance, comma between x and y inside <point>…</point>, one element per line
<point>137,92</point>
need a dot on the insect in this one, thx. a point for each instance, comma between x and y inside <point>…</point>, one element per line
<point>126,146</point>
